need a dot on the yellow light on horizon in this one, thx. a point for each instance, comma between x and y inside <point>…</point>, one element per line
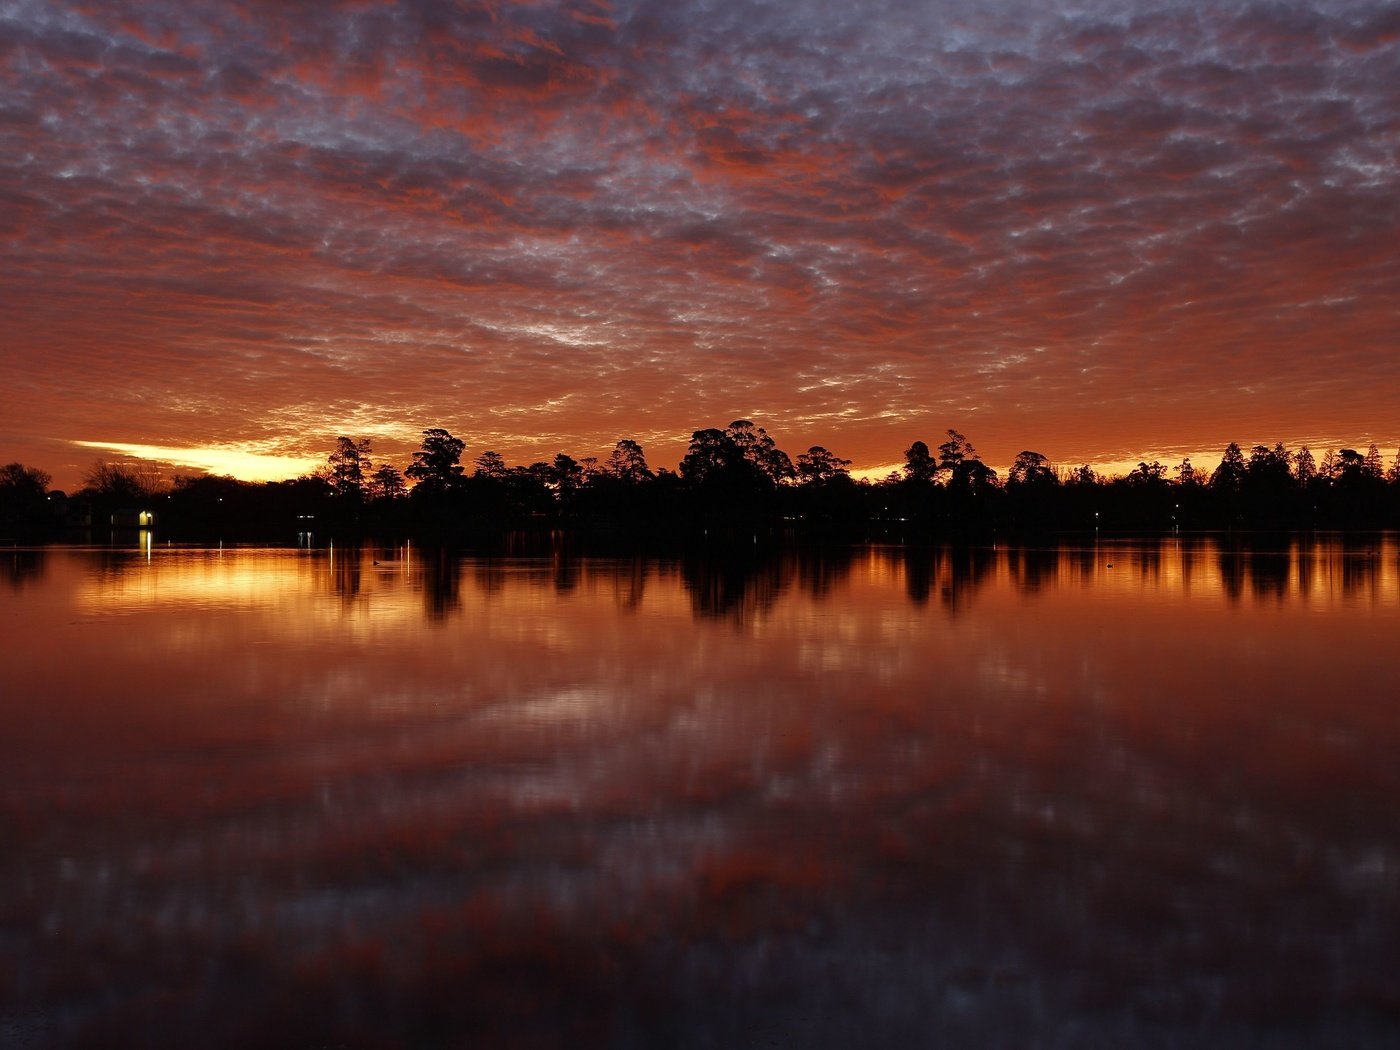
<point>241,461</point>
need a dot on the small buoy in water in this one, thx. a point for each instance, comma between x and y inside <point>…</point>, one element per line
<point>1110,565</point>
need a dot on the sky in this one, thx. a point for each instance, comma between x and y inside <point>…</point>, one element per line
<point>233,230</point>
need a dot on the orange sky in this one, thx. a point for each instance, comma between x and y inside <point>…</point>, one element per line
<point>1103,231</point>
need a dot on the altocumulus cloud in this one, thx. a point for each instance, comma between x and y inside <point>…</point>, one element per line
<point>550,226</point>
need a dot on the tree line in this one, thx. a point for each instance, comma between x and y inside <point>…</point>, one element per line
<point>731,481</point>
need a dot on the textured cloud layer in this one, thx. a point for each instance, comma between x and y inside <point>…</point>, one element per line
<point>1096,230</point>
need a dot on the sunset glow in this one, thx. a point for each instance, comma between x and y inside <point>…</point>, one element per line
<point>231,231</point>
<point>241,463</point>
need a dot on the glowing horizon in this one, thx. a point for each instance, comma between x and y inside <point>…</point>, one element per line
<point>247,465</point>
<point>242,463</point>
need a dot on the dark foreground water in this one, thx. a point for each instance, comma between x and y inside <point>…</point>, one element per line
<point>1116,796</point>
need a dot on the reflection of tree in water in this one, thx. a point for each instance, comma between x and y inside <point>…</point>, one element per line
<point>1081,563</point>
<point>565,570</point>
<point>822,571</point>
<point>631,582</point>
<point>1307,566</point>
<point>112,564</point>
<point>958,572</point>
<point>967,569</point>
<point>489,575</point>
<point>344,571</point>
<point>1190,551</point>
<point>734,586</point>
<point>919,567</point>
<point>1268,573</point>
<point>1358,562</point>
<point>442,584</point>
<point>1031,567</point>
<point>1232,571</point>
<point>1149,562</point>
<point>22,567</point>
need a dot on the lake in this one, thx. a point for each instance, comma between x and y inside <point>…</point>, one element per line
<point>1127,794</point>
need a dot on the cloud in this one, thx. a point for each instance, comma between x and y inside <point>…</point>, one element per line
<point>230,222</point>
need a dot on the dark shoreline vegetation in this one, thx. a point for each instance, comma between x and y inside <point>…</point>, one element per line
<point>733,484</point>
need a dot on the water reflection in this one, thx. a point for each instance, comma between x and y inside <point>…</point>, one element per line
<point>566,571</point>
<point>1110,794</point>
<point>918,573</point>
<point>344,571</point>
<point>1231,567</point>
<point>632,577</point>
<point>1190,552</point>
<point>735,586</point>
<point>21,567</point>
<point>1149,564</point>
<point>1269,572</point>
<point>966,570</point>
<point>489,573</point>
<point>823,570</point>
<point>1032,567</point>
<point>1360,563</point>
<point>441,583</point>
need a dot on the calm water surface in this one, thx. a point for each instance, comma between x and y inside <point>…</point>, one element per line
<point>1121,795</point>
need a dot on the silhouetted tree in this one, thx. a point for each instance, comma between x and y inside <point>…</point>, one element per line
<point>1374,466</point>
<point>120,483</point>
<point>386,483</point>
<point>1030,468</point>
<point>760,450</point>
<point>1271,494</point>
<point>712,454</point>
<point>724,488</point>
<point>1187,475</point>
<point>532,489</point>
<point>954,452</point>
<point>1033,492</point>
<point>1082,496</point>
<point>817,466</point>
<point>627,462</point>
<point>490,465</point>
<point>349,464</point>
<point>973,476</point>
<point>1269,464</point>
<point>1230,474</point>
<point>18,482</point>
<point>919,465</point>
<point>436,466</point>
<point>566,477</point>
<point>973,495</point>
<point>1356,487</point>
<point>1304,467</point>
<point>1349,465</point>
<point>24,503</point>
<point>1152,474</point>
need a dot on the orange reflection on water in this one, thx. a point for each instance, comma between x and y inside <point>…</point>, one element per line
<point>685,795</point>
